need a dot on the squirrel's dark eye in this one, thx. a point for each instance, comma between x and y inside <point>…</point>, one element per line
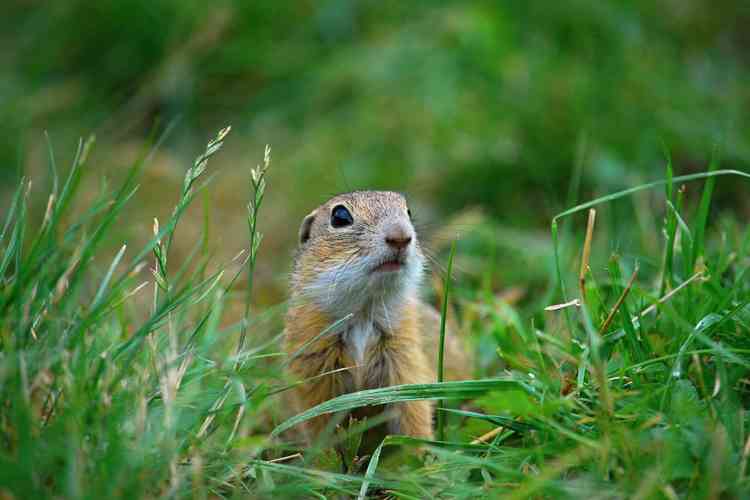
<point>341,217</point>
<point>408,212</point>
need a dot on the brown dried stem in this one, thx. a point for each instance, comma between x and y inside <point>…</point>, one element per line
<point>586,254</point>
<point>619,302</point>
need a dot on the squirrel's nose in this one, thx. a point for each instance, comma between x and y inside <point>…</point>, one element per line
<point>397,237</point>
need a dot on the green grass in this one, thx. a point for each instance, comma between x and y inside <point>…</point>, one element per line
<point>119,376</point>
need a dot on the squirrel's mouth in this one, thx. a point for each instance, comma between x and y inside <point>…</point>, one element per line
<point>390,265</point>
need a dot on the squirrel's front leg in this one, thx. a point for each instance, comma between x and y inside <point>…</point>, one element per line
<point>406,364</point>
<point>413,419</point>
<point>310,366</point>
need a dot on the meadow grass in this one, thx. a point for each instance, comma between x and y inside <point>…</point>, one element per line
<point>112,385</point>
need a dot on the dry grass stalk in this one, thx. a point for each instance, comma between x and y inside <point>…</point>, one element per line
<point>619,302</point>
<point>651,308</point>
<point>487,436</point>
<point>586,254</point>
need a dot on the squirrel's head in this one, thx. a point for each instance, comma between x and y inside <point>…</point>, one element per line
<point>356,250</point>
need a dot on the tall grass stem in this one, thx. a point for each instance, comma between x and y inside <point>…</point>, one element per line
<point>441,347</point>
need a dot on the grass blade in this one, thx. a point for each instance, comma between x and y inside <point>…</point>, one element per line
<point>107,277</point>
<point>702,217</point>
<point>466,389</point>
<point>670,227</point>
<point>643,187</point>
<point>441,347</point>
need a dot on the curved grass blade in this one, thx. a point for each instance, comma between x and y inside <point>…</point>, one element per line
<point>466,389</point>
<point>643,187</point>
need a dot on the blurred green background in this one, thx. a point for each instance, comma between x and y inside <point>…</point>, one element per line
<point>491,116</point>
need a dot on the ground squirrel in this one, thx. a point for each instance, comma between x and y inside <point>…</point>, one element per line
<point>358,254</point>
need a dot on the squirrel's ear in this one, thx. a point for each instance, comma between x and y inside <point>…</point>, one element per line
<point>304,230</point>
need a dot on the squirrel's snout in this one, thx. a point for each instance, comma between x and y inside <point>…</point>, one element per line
<point>398,243</point>
<point>398,237</point>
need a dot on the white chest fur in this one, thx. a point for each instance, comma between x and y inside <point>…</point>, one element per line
<point>359,336</point>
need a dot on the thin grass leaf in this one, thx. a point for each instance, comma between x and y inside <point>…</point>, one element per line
<point>670,229</point>
<point>500,420</point>
<point>679,221</point>
<point>643,187</point>
<point>52,163</point>
<point>72,182</point>
<point>9,217</point>
<point>703,210</point>
<point>372,467</point>
<point>12,220</point>
<point>408,392</point>
<point>103,286</point>
<point>441,345</point>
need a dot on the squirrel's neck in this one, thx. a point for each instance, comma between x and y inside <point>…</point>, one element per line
<point>385,314</point>
<point>382,302</point>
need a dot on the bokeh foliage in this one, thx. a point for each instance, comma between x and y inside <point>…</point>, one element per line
<point>492,102</point>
